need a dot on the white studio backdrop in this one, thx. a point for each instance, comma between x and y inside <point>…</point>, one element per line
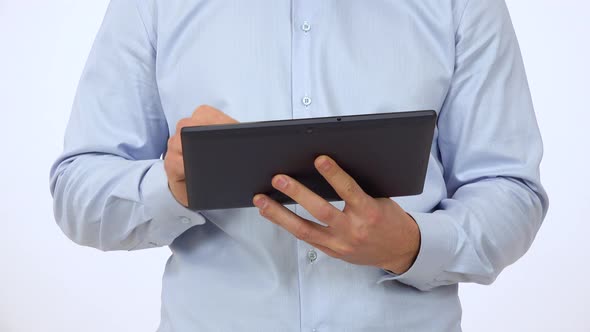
<point>47,283</point>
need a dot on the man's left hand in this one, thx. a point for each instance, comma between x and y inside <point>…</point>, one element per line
<point>368,231</point>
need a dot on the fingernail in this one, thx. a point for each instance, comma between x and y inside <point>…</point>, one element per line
<point>325,165</point>
<point>281,182</point>
<point>260,202</point>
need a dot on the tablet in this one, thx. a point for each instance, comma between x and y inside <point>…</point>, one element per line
<point>226,165</point>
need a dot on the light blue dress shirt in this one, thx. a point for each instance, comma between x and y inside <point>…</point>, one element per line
<point>153,62</point>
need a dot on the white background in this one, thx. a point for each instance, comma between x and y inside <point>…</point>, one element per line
<point>48,283</point>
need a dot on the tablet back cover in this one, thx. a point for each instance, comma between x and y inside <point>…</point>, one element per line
<point>386,153</point>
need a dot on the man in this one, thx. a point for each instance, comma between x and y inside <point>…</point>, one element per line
<point>380,264</point>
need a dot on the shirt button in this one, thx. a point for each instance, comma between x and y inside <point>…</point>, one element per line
<point>306,101</point>
<point>312,255</point>
<point>305,26</point>
<point>185,220</point>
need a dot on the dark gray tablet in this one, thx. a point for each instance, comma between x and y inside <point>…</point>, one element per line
<point>386,153</point>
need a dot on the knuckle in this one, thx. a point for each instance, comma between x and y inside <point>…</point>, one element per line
<point>173,142</point>
<point>178,158</point>
<point>373,215</point>
<point>293,188</point>
<point>346,250</point>
<point>174,162</point>
<point>267,212</point>
<point>303,232</point>
<point>173,169</point>
<point>326,211</point>
<point>181,124</point>
<point>350,187</point>
<point>174,157</point>
<point>201,109</point>
<point>208,115</point>
<point>360,237</point>
<point>179,162</point>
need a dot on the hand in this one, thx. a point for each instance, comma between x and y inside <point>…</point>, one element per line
<point>369,231</point>
<point>174,162</point>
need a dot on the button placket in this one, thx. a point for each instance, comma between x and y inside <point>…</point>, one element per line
<point>304,29</point>
<point>302,93</point>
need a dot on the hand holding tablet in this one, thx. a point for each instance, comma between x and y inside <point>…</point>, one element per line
<point>368,231</point>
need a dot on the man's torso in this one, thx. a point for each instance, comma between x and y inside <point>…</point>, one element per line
<point>257,60</point>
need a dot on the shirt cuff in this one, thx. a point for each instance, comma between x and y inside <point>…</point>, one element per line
<point>168,218</point>
<point>438,242</point>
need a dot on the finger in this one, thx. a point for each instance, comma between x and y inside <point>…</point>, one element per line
<point>208,115</point>
<point>174,144</point>
<point>327,250</point>
<point>174,167</point>
<point>302,229</point>
<point>344,185</point>
<point>185,122</point>
<point>312,202</point>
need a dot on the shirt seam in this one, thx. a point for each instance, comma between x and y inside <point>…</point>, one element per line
<point>461,17</point>
<point>149,37</point>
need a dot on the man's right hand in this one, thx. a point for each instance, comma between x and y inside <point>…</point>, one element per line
<point>174,162</point>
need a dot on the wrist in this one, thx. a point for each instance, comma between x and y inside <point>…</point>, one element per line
<point>407,256</point>
<point>178,190</point>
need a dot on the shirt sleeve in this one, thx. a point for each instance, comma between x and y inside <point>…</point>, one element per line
<point>109,187</point>
<point>490,148</point>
